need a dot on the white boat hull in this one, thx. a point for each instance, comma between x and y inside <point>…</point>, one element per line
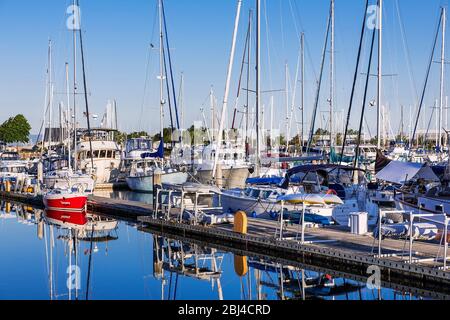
<point>231,178</point>
<point>433,215</point>
<point>265,208</point>
<point>252,207</point>
<point>145,183</point>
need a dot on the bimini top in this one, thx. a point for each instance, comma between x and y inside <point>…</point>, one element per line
<point>323,169</point>
<point>399,172</point>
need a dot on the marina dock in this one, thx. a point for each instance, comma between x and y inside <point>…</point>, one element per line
<point>348,253</point>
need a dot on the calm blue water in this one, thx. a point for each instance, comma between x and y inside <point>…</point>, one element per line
<point>37,249</point>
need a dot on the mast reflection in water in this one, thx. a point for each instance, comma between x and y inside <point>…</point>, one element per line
<point>61,255</point>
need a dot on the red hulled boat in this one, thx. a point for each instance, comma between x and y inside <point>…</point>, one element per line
<point>62,200</point>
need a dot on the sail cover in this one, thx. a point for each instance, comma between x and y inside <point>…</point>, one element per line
<point>157,154</point>
<point>400,172</point>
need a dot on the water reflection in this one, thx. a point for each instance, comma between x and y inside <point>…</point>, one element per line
<point>86,256</point>
<point>172,258</point>
<point>73,228</point>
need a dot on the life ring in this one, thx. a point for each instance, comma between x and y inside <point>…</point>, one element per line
<point>331,191</point>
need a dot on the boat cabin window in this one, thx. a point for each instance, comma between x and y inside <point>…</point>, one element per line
<point>10,156</point>
<point>14,169</point>
<point>255,193</point>
<point>266,194</point>
<point>248,192</point>
<point>440,208</point>
<point>103,154</point>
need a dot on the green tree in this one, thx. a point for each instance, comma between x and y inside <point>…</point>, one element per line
<point>120,137</point>
<point>339,139</point>
<point>15,130</point>
<point>321,132</point>
<point>167,132</point>
<point>352,132</point>
<point>135,135</point>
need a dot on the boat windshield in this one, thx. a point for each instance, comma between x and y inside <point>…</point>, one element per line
<point>139,144</point>
<point>255,193</point>
<point>266,194</point>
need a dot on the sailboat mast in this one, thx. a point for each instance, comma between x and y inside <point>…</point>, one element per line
<point>332,77</point>
<point>182,100</point>
<point>213,113</point>
<point>401,125</point>
<point>302,40</point>
<point>286,74</point>
<point>75,90</point>
<point>69,154</point>
<point>258,85</point>
<point>249,54</point>
<point>227,87</point>
<point>50,86</point>
<point>86,94</point>
<point>161,71</point>
<point>380,74</point>
<point>444,20</point>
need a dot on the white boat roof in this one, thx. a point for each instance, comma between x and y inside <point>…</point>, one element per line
<point>399,172</point>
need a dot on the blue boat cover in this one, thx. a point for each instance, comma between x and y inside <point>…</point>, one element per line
<point>157,154</point>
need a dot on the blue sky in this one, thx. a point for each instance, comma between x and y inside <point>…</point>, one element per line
<point>117,35</point>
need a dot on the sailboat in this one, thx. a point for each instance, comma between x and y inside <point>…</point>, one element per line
<point>66,190</point>
<point>141,175</point>
<point>142,171</point>
<point>235,169</point>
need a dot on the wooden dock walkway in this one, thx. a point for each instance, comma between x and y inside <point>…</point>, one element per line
<point>323,247</point>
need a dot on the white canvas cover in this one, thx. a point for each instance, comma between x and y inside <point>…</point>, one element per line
<point>399,172</point>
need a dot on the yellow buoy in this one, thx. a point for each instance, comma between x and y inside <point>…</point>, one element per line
<point>8,186</point>
<point>240,265</point>
<point>8,207</point>
<point>240,222</point>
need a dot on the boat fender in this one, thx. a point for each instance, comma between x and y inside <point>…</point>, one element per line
<point>240,222</point>
<point>240,265</point>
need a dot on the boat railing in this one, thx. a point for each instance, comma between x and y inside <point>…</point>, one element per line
<point>411,235</point>
<point>168,201</point>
